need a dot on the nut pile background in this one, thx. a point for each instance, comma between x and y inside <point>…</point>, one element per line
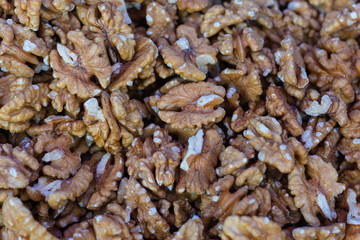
<point>179,119</point>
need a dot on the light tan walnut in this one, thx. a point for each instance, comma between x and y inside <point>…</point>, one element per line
<point>265,135</point>
<point>17,166</point>
<point>316,130</point>
<point>277,106</point>
<point>251,228</point>
<point>199,160</point>
<point>161,20</point>
<point>316,193</point>
<point>350,148</point>
<point>58,6</point>
<point>107,177</point>
<point>108,18</point>
<point>247,85</point>
<point>352,129</point>
<point>334,5</point>
<point>191,230</point>
<point>141,67</point>
<point>240,118</point>
<point>335,231</point>
<point>28,13</point>
<point>189,56</point>
<point>151,222</point>
<point>315,104</point>
<point>196,102</point>
<point>20,220</point>
<point>292,66</point>
<point>192,6</point>
<point>330,147</point>
<point>88,55</point>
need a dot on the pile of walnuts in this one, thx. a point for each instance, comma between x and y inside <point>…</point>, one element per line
<point>179,119</point>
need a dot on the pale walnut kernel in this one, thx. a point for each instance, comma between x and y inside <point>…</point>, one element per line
<point>140,67</point>
<point>316,130</point>
<point>251,228</point>
<point>350,148</point>
<point>17,166</point>
<point>292,66</point>
<point>240,118</point>
<point>318,193</point>
<point>107,18</point>
<point>191,230</point>
<point>192,6</point>
<point>20,220</point>
<point>189,56</point>
<point>277,106</point>
<point>87,55</point>
<point>199,160</point>
<point>107,177</point>
<point>265,135</point>
<point>151,223</point>
<point>196,102</point>
<point>57,6</point>
<point>352,129</point>
<point>28,13</point>
<point>335,231</point>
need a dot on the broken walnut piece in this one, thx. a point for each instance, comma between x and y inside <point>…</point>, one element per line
<point>196,102</point>
<point>28,13</point>
<point>277,106</point>
<point>88,55</point>
<point>251,228</point>
<point>193,229</point>
<point>240,118</point>
<point>19,219</point>
<point>141,66</point>
<point>350,148</point>
<point>151,223</point>
<point>292,66</point>
<point>266,136</point>
<point>189,56</point>
<point>330,147</point>
<point>316,194</point>
<point>199,160</point>
<point>316,130</point>
<point>192,6</point>
<point>335,231</point>
<point>17,166</point>
<point>352,128</point>
<point>108,19</point>
<point>107,177</point>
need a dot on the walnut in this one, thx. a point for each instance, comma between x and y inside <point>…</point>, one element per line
<point>327,150</point>
<point>199,160</point>
<point>151,222</point>
<point>334,5</point>
<point>315,104</point>
<point>265,135</point>
<point>189,56</point>
<point>318,193</point>
<point>231,161</point>
<point>342,23</point>
<point>62,99</point>
<point>351,130</point>
<point>292,66</point>
<point>140,67</point>
<point>192,230</point>
<point>240,119</point>
<point>20,220</point>
<point>333,67</point>
<point>277,106</point>
<point>60,191</point>
<point>59,6</point>
<point>81,231</point>
<point>160,19</point>
<point>350,148</point>
<point>247,85</point>
<point>16,166</point>
<point>28,13</point>
<point>88,55</point>
<point>162,70</point>
<point>107,177</point>
<point>107,18</point>
<point>71,214</point>
<point>63,162</point>
<point>316,130</point>
<point>334,231</point>
<point>251,228</point>
<point>196,102</point>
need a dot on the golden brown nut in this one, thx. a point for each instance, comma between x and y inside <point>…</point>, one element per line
<point>334,231</point>
<point>352,129</point>
<point>28,13</point>
<point>240,119</point>
<point>191,230</point>
<point>277,106</point>
<point>251,228</point>
<point>318,193</point>
<point>15,166</point>
<point>151,222</point>
<point>189,56</point>
<point>88,55</point>
<point>199,160</point>
<point>265,135</point>
<point>328,149</point>
<point>196,102</point>
<point>350,148</point>
<point>316,130</point>
<point>20,220</point>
